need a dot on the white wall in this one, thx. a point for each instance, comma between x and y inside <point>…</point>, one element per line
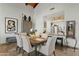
<point>71,12</point>
<point>12,10</point>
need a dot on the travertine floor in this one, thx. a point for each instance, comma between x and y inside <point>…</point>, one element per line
<point>10,50</point>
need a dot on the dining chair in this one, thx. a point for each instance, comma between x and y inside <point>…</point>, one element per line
<point>26,45</point>
<point>49,48</point>
<point>19,42</point>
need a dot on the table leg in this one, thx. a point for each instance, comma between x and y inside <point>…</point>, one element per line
<point>75,45</point>
<point>61,41</point>
<point>36,50</point>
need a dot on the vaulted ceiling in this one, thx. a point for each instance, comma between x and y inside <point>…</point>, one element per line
<point>32,4</point>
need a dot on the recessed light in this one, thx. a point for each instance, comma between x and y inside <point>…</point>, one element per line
<point>52,8</point>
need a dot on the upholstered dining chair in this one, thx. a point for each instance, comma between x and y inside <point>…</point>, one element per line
<point>26,44</point>
<point>19,42</point>
<point>49,48</point>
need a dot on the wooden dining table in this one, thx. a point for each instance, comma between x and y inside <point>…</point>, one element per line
<point>36,41</point>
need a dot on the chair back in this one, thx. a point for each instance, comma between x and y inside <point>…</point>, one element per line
<point>19,40</point>
<point>50,45</point>
<point>26,43</point>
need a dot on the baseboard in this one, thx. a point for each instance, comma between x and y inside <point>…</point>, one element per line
<point>2,43</point>
<point>74,48</point>
<point>68,46</point>
<point>5,43</point>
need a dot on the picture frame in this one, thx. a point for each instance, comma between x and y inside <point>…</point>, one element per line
<point>70,29</point>
<point>11,25</point>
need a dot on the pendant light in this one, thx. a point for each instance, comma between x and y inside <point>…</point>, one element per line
<point>29,18</point>
<point>25,17</point>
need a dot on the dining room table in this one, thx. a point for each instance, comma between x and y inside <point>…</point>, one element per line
<point>37,41</point>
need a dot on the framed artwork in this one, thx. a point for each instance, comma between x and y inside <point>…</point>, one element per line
<point>11,25</point>
<point>70,30</point>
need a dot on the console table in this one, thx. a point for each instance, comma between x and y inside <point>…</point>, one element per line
<point>60,37</point>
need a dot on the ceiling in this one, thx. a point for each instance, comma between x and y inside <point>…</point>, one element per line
<point>32,4</point>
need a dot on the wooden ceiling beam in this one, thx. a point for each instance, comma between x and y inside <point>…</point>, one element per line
<point>32,4</point>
